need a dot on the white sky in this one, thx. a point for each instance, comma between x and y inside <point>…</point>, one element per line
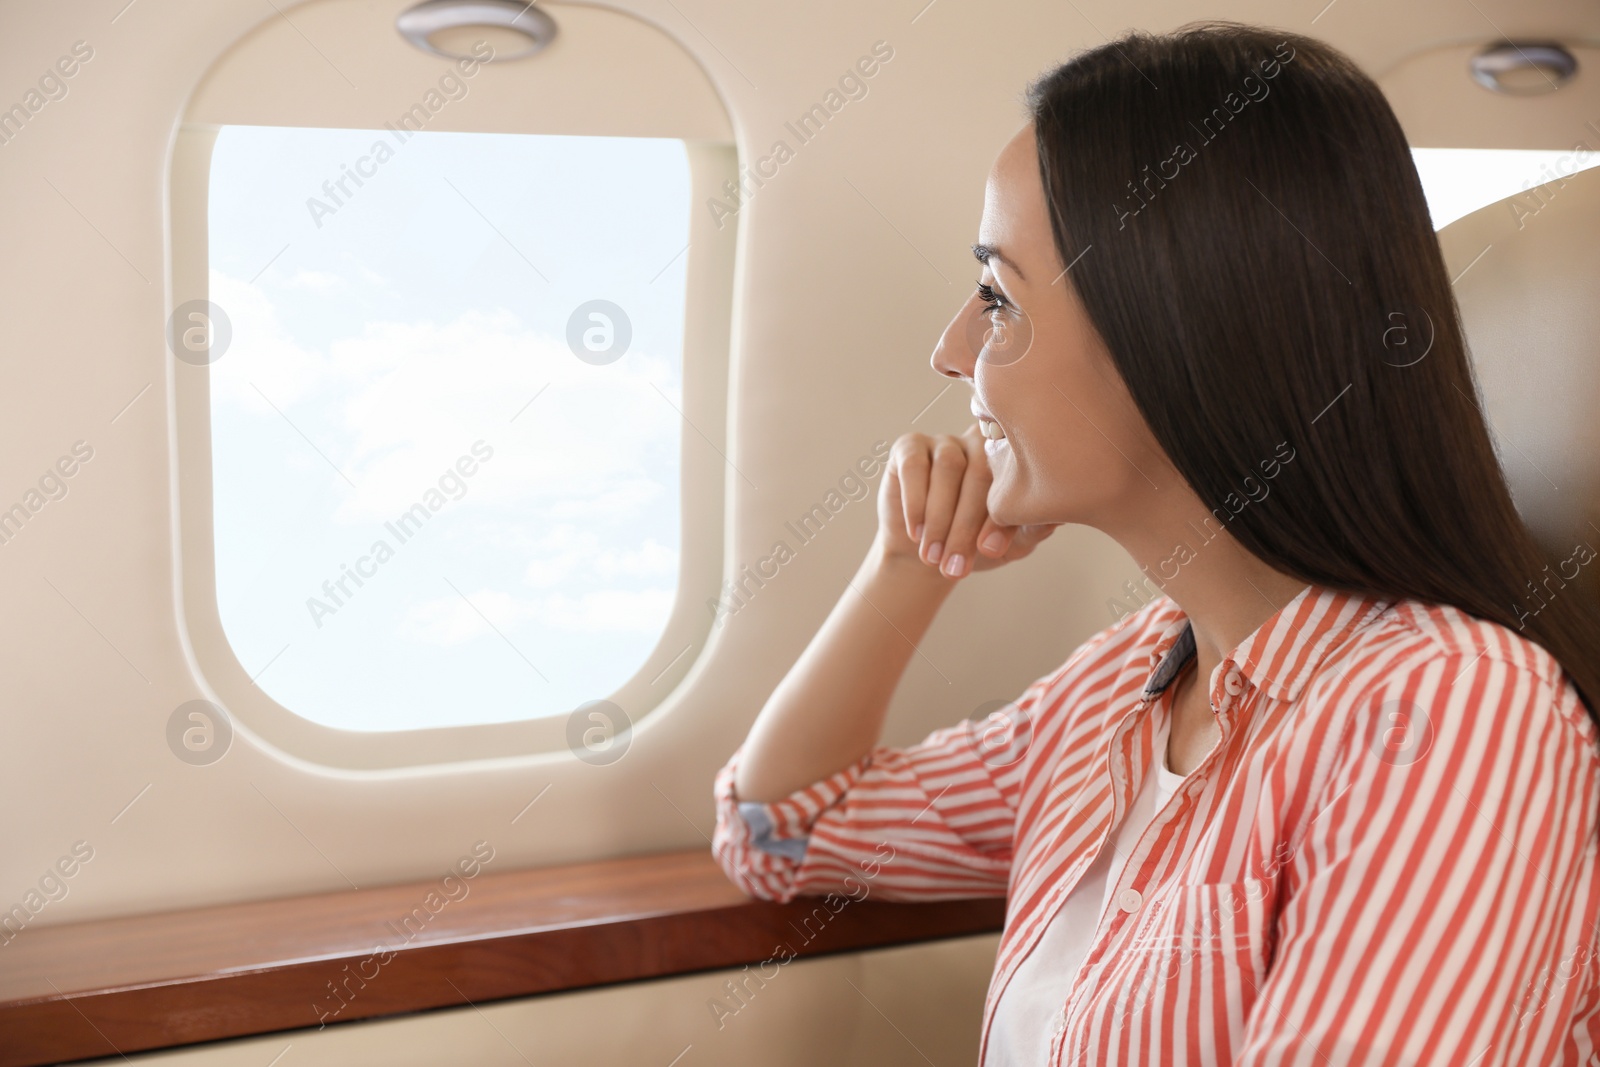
<point>412,324</point>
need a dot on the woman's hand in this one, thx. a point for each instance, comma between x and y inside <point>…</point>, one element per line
<point>933,506</point>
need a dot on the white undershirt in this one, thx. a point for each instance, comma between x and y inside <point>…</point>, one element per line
<point>1027,1015</point>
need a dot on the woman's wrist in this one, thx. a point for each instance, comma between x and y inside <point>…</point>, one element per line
<point>903,572</point>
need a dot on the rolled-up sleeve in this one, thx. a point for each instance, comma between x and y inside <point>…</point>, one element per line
<point>1441,907</point>
<point>934,821</point>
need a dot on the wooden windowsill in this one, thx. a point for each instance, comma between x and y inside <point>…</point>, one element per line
<point>92,989</point>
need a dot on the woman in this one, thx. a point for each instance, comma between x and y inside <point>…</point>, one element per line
<point>1332,796</point>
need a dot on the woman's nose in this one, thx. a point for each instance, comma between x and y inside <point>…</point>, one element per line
<point>956,354</point>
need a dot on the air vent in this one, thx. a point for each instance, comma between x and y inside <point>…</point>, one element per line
<point>450,28</point>
<point>1523,68</point>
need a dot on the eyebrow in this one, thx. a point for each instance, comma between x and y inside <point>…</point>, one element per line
<point>984,253</point>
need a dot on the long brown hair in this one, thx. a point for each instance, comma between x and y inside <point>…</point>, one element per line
<point>1246,229</point>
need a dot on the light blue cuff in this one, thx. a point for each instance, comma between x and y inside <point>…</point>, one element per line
<point>756,818</point>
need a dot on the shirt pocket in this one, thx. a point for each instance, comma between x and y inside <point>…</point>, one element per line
<point>1228,917</point>
<point>1187,978</point>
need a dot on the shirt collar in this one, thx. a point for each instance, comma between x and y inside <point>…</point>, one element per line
<point>1282,654</point>
<point>1173,650</point>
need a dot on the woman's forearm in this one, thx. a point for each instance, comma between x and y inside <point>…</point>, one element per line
<point>828,711</point>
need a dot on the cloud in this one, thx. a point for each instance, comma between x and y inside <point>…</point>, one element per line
<point>395,406</point>
<point>427,392</point>
<point>568,552</point>
<point>577,500</point>
<point>649,558</point>
<point>633,610</point>
<point>320,281</point>
<point>262,359</point>
<point>452,621</point>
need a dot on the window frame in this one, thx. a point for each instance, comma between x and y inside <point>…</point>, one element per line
<point>708,311</point>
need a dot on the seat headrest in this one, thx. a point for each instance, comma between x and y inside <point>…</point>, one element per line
<point>1527,272</point>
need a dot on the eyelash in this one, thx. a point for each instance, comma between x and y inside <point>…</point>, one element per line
<point>991,302</point>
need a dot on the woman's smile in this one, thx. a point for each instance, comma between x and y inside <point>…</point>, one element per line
<point>994,437</point>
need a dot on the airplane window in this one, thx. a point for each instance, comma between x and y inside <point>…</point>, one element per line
<point>446,420</point>
<point>1458,181</point>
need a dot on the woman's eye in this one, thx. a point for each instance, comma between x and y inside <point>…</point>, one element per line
<point>991,301</point>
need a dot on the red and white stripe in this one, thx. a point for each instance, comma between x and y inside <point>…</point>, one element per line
<point>1390,857</point>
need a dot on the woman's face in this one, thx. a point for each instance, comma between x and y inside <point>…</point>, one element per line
<point>1065,441</point>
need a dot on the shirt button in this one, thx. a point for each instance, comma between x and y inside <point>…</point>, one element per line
<point>1060,1020</point>
<point>1129,900</point>
<point>1233,683</point>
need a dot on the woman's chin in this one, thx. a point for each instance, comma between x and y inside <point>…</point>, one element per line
<point>1009,506</point>
<point>1003,506</point>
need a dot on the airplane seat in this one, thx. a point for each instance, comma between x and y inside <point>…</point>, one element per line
<point>1527,272</point>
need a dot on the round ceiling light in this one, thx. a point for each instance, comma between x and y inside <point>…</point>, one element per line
<point>445,27</point>
<point>1523,68</point>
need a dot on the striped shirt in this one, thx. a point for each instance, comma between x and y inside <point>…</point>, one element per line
<point>1388,857</point>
